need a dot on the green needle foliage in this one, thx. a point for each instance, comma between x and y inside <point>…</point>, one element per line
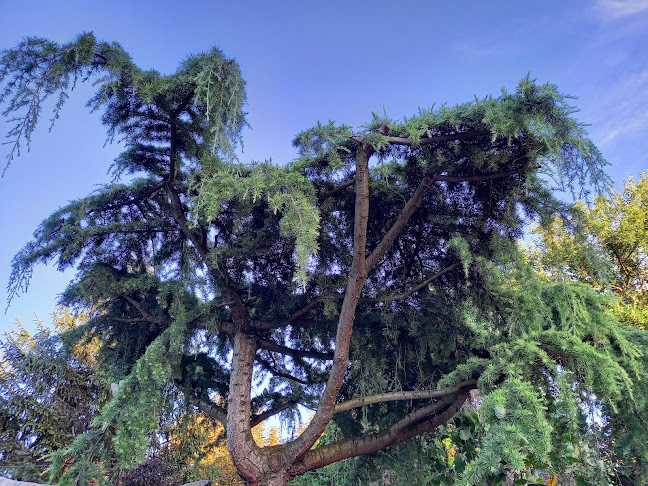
<point>48,396</point>
<point>375,279</point>
<point>604,246</point>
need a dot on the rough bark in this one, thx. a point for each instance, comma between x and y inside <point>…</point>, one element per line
<point>416,423</point>
<point>355,283</point>
<point>246,455</point>
<point>273,480</point>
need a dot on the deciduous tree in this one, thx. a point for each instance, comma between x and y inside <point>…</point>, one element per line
<point>604,244</point>
<point>375,279</point>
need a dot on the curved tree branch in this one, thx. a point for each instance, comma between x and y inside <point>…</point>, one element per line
<point>413,290</point>
<point>438,138</point>
<point>257,419</point>
<point>403,395</point>
<point>356,281</point>
<point>415,423</point>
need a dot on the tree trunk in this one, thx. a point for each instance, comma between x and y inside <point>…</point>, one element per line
<point>278,479</point>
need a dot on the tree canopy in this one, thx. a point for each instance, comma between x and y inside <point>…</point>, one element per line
<point>375,280</point>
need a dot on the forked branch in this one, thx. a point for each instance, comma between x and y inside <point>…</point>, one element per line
<point>418,422</point>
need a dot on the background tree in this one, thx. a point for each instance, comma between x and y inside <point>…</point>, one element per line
<point>376,279</point>
<point>48,396</point>
<point>197,449</point>
<point>604,245</point>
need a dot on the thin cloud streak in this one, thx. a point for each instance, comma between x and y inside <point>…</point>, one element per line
<point>623,110</point>
<point>615,9</point>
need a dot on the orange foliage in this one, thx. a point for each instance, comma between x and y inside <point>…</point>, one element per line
<point>551,481</point>
<point>209,456</point>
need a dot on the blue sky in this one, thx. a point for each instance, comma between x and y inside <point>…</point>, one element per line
<point>307,61</point>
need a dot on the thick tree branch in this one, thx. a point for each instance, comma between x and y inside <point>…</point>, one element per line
<point>257,419</point>
<point>415,201</point>
<point>212,410</point>
<point>370,300</point>
<point>323,197</point>
<point>139,197</point>
<point>495,303</point>
<point>133,320</point>
<point>182,105</point>
<point>287,376</point>
<point>290,320</point>
<point>438,138</point>
<point>301,312</point>
<point>173,157</point>
<point>415,423</point>
<point>403,395</point>
<point>178,214</point>
<point>138,306</point>
<point>245,453</point>
<point>265,325</point>
<point>480,177</point>
<point>410,206</point>
<point>355,283</point>
<point>218,413</point>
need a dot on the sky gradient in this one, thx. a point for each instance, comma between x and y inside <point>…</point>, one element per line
<point>309,61</point>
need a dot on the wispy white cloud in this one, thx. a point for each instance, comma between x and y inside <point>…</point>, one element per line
<point>623,109</point>
<point>615,9</point>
